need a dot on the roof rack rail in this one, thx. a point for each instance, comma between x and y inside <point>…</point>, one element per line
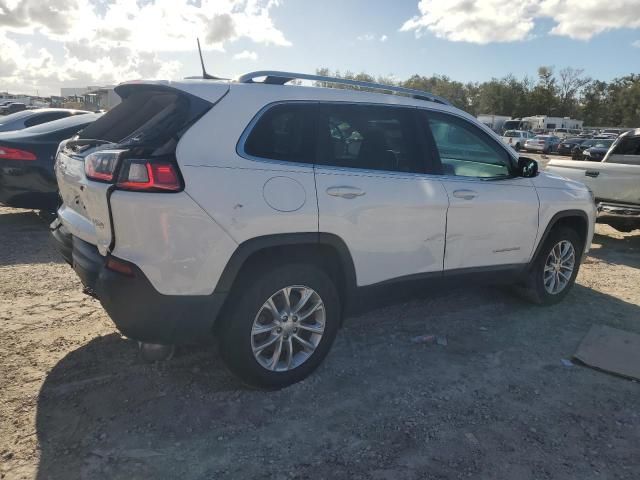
<point>280,78</point>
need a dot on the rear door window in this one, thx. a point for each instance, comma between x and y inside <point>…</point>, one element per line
<point>284,132</point>
<point>369,137</point>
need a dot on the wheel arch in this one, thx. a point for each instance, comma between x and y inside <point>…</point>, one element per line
<point>578,220</point>
<point>326,250</point>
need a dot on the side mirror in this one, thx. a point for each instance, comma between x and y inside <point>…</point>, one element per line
<point>527,167</point>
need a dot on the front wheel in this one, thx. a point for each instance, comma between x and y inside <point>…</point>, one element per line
<point>280,326</point>
<point>554,270</point>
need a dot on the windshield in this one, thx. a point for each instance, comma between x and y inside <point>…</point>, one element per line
<point>512,133</point>
<point>140,116</point>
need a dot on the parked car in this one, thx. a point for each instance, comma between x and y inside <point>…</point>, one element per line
<point>257,213</point>
<point>12,107</point>
<point>516,138</point>
<point>542,143</point>
<point>27,179</point>
<point>31,118</point>
<point>596,152</point>
<point>566,146</point>
<point>577,153</point>
<point>615,181</point>
<point>562,133</point>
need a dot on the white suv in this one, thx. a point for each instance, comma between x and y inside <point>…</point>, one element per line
<point>257,213</point>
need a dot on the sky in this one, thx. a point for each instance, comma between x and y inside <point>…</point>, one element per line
<point>47,44</point>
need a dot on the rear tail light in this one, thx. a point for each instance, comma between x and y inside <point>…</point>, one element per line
<point>139,174</point>
<point>102,165</point>
<point>7,153</point>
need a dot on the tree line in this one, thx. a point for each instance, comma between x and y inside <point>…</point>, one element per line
<point>567,92</point>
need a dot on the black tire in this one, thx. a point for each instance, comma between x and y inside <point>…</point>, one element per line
<point>517,147</point>
<point>533,288</point>
<point>249,295</point>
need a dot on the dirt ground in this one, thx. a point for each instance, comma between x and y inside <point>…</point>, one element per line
<point>496,402</point>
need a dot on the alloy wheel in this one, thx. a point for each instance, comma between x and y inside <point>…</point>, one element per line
<point>288,328</point>
<point>559,267</point>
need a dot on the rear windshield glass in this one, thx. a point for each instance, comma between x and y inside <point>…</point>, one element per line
<point>62,123</point>
<point>15,116</point>
<point>628,146</point>
<point>146,116</point>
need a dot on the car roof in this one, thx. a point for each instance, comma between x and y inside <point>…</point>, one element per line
<point>211,89</point>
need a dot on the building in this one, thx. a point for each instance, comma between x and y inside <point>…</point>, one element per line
<point>92,97</point>
<point>101,98</point>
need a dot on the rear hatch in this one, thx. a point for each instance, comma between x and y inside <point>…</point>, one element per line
<point>147,124</point>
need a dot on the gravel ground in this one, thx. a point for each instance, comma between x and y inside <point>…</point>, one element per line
<point>495,402</point>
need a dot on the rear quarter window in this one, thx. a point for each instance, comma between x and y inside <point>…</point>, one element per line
<point>284,132</point>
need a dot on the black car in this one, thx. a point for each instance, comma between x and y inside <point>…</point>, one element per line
<point>567,145</point>
<point>31,118</point>
<point>26,162</point>
<point>578,152</point>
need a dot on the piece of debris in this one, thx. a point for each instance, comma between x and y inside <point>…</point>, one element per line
<point>430,339</point>
<point>424,339</point>
<point>566,362</point>
<point>472,439</point>
<point>611,350</point>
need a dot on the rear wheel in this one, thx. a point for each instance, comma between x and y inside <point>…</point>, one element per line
<point>280,325</point>
<point>554,270</point>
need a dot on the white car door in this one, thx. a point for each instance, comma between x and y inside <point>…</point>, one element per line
<point>373,192</point>
<point>493,216</point>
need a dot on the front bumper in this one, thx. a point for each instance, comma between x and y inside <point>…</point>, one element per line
<point>618,211</point>
<point>564,150</point>
<point>138,310</point>
<point>534,148</point>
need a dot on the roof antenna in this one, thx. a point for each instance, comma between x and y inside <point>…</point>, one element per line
<point>205,75</point>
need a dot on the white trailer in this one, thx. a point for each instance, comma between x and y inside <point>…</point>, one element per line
<point>551,123</point>
<point>494,122</point>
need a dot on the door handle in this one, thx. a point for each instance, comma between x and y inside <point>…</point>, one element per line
<point>465,194</point>
<point>345,192</point>
<point>591,173</point>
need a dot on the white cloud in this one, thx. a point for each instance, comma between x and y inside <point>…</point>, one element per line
<point>246,55</point>
<point>366,37</point>
<point>119,40</point>
<point>636,44</point>
<point>370,37</point>
<point>488,21</point>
